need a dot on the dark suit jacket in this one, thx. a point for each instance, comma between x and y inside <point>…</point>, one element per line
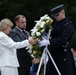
<point>22,54</point>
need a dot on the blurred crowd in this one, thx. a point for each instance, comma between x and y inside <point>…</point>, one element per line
<point>74,54</point>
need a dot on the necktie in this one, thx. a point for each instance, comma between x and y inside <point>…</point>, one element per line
<point>25,34</point>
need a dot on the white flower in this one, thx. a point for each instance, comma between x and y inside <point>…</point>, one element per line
<point>47,18</point>
<point>33,31</point>
<point>38,33</point>
<point>30,51</point>
<point>37,23</point>
<point>32,56</point>
<point>44,17</point>
<point>42,24</point>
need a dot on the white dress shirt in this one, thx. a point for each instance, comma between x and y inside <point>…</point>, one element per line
<point>8,50</point>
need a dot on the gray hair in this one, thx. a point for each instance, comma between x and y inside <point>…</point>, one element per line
<point>4,23</point>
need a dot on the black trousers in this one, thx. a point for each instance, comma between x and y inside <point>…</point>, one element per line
<point>23,71</point>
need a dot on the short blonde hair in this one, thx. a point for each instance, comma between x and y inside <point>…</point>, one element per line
<point>4,23</point>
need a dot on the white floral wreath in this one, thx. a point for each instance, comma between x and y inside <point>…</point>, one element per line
<point>37,32</point>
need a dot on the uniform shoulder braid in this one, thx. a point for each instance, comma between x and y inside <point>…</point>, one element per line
<point>68,22</point>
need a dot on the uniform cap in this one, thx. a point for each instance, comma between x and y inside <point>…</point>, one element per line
<point>56,10</point>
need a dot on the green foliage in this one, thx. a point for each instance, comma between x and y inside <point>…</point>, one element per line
<point>36,51</point>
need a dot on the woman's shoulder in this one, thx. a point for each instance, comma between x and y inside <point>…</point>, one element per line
<point>2,35</point>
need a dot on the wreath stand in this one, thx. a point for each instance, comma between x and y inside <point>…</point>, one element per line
<point>44,57</point>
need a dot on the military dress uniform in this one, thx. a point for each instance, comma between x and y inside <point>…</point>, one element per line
<point>60,49</point>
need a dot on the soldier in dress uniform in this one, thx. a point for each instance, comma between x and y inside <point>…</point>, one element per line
<point>59,44</point>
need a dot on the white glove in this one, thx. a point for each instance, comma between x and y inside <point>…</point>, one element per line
<point>44,42</point>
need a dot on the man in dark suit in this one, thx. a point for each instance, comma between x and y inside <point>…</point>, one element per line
<point>19,34</point>
<point>59,44</point>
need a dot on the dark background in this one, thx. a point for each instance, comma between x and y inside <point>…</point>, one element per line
<point>34,9</point>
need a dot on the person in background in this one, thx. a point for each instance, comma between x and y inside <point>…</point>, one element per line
<point>8,57</point>
<point>19,34</point>
<point>74,54</point>
<point>59,44</point>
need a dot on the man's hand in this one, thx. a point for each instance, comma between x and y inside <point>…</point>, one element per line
<point>35,60</point>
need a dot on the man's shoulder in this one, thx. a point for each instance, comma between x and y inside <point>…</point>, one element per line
<point>67,21</point>
<point>15,30</point>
